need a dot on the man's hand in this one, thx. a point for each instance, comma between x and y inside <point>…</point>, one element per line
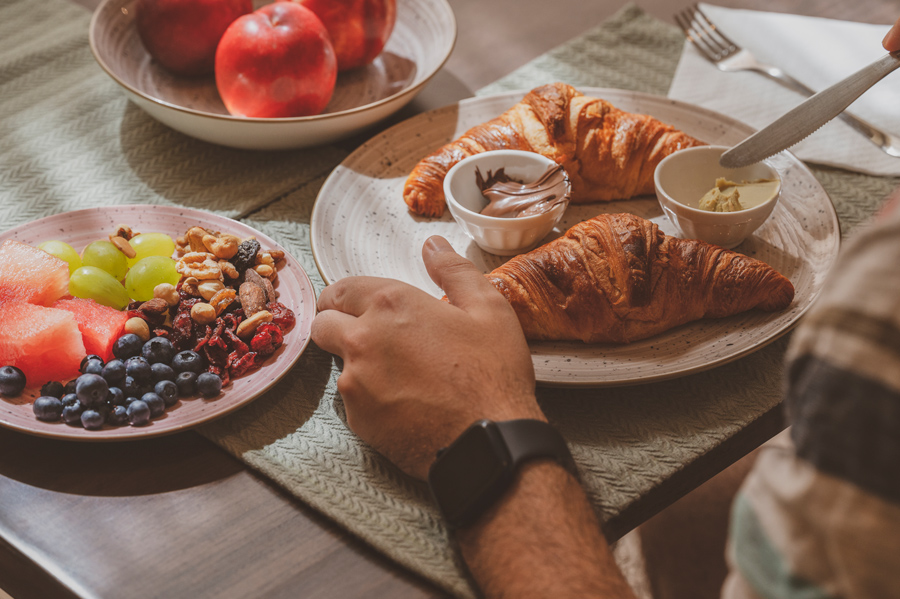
<point>418,370</point>
<point>892,39</point>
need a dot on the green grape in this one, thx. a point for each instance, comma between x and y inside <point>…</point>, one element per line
<point>63,251</point>
<point>149,272</point>
<point>151,244</point>
<point>95,283</point>
<point>106,256</point>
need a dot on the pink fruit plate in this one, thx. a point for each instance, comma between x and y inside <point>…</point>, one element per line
<point>80,227</point>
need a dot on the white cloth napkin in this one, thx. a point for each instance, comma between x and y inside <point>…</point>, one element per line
<point>818,52</point>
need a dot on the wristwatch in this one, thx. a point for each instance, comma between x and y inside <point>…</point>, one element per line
<point>476,469</point>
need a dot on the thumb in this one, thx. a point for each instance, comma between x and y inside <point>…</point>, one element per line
<point>463,283</point>
<point>892,39</point>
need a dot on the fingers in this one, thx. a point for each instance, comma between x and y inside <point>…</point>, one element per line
<point>328,330</point>
<point>464,284</point>
<point>892,39</point>
<point>350,295</point>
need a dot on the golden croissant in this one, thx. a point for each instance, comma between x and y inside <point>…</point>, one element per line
<point>608,154</point>
<point>617,278</point>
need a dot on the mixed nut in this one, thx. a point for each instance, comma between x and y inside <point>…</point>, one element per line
<point>225,306</point>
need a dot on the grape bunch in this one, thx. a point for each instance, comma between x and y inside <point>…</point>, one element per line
<point>98,273</point>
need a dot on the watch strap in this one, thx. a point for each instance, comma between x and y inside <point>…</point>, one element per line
<point>474,471</point>
<point>529,439</point>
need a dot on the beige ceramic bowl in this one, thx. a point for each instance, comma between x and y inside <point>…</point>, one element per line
<point>500,236</point>
<point>421,42</point>
<point>683,178</point>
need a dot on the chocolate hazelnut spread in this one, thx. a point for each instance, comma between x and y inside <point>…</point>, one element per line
<point>509,198</point>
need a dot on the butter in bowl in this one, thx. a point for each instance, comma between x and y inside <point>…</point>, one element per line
<point>712,203</point>
<point>507,201</point>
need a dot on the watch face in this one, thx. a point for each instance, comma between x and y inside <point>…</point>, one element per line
<point>470,472</point>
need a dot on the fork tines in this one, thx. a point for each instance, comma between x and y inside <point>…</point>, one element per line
<point>704,34</point>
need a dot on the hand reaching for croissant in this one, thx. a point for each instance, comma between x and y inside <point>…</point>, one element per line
<point>892,39</point>
<point>417,370</point>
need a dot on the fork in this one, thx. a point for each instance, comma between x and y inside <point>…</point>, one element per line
<point>716,47</point>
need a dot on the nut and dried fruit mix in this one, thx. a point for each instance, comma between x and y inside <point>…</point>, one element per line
<point>225,306</point>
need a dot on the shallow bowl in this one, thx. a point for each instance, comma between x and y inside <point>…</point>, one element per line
<point>420,44</point>
<point>682,179</point>
<point>500,236</point>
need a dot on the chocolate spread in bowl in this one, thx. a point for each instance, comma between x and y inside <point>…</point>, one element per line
<point>509,198</point>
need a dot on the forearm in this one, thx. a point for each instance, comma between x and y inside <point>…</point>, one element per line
<point>541,539</point>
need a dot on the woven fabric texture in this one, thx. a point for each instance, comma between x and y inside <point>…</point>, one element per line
<point>69,139</point>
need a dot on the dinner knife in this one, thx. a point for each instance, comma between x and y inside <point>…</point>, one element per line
<point>809,116</point>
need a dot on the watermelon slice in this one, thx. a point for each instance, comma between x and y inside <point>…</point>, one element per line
<point>44,342</point>
<point>29,274</point>
<point>100,325</point>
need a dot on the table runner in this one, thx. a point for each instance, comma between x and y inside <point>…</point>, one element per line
<point>70,140</point>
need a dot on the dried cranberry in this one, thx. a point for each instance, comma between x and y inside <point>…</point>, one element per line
<point>246,363</point>
<point>281,315</point>
<point>267,339</point>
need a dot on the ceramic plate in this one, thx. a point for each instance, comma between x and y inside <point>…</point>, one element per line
<point>421,42</point>
<point>360,226</point>
<point>84,226</point>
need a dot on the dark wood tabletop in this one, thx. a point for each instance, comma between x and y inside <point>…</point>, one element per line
<point>67,506</point>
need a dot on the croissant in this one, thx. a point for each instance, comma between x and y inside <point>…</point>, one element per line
<point>617,278</point>
<point>608,154</point>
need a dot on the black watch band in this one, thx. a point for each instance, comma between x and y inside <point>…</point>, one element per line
<point>476,469</point>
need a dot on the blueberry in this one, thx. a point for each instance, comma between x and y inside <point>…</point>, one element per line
<point>139,369</point>
<point>53,389</point>
<point>161,372</point>
<point>118,416</point>
<point>91,389</point>
<point>114,372</point>
<point>87,359</point>
<point>131,387</point>
<point>168,390</point>
<point>127,345</point>
<point>47,407</point>
<point>93,367</point>
<point>138,413</point>
<point>187,383</point>
<point>209,385</point>
<point>12,381</point>
<point>116,397</point>
<point>68,399</point>
<point>71,413</point>
<point>70,387</point>
<point>92,420</point>
<point>158,349</point>
<point>130,399</point>
<point>188,361</point>
<point>156,404</point>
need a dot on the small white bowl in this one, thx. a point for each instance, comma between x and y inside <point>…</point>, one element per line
<point>500,236</point>
<point>684,177</point>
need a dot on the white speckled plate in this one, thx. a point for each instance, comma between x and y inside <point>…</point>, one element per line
<point>81,227</point>
<point>422,40</point>
<point>360,226</point>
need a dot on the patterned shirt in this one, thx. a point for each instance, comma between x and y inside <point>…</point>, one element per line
<point>819,515</point>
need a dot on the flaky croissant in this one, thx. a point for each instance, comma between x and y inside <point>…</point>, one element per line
<point>617,278</point>
<point>609,154</point>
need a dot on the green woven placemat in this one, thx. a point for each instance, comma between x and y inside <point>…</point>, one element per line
<point>70,139</point>
<point>626,440</point>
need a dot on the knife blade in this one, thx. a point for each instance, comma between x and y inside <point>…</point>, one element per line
<point>808,116</point>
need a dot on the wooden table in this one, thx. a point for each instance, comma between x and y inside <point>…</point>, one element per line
<point>66,506</point>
